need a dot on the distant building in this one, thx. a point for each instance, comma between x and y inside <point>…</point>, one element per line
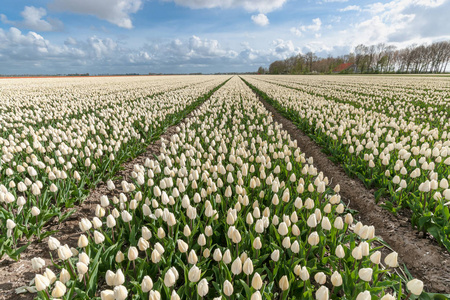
<point>345,68</point>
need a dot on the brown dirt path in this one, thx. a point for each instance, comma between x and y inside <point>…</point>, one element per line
<point>424,258</point>
<point>16,274</point>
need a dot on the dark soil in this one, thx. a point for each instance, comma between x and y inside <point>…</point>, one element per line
<point>423,257</point>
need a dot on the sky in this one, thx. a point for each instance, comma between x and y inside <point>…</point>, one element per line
<point>207,36</point>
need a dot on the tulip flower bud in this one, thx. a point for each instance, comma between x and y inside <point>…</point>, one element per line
<point>156,256</point>
<point>365,274</point>
<point>82,268</point>
<point>415,286</point>
<point>98,237</point>
<point>256,296</point>
<point>201,241</point>
<point>143,244</point>
<point>182,246</point>
<point>154,295</point>
<point>53,243</point>
<point>284,283</point>
<point>257,281</point>
<point>96,223</point>
<point>35,211</point>
<point>50,275</point>
<point>59,290</point>
<point>338,223</point>
<point>282,229</point>
<point>84,258</point>
<point>192,258</point>
<point>228,288</point>
<point>161,233</point>
<point>375,257</point>
<point>169,278</point>
<point>320,278</point>
<point>391,260</point>
<point>126,217</point>
<point>357,253</point>
<point>115,279</point>
<point>227,257</point>
<point>174,296</point>
<point>259,226</point>
<point>64,276</point>
<point>304,274</point>
<point>217,255</point>
<point>147,284</point>
<point>146,233</point>
<point>107,295</point>
<point>82,241</point>
<point>348,219</point>
<point>286,243</point>
<point>236,266</point>
<point>186,231</point>
<point>194,274</point>
<point>120,292</point>
<point>119,257</point>
<point>336,279</point>
<point>387,297</point>
<point>326,225</point>
<point>133,253</point>
<point>275,255</point>
<point>313,239</point>
<point>365,248</point>
<point>85,225</point>
<point>364,296</point>
<point>41,282</point>
<point>312,221</point>
<point>248,266</point>
<point>37,263</point>
<point>202,288</point>
<point>64,252</point>
<point>295,247</point>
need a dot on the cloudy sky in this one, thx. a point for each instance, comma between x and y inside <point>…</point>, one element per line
<point>182,36</point>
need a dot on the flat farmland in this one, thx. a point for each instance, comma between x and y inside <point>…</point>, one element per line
<point>225,187</point>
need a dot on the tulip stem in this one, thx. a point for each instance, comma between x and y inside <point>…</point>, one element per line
<point>339,265</point>
<point>71,268</point>
<point>307,254</point>
<point>407,296</point>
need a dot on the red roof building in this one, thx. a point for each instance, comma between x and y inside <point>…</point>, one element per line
<point>345,67</point>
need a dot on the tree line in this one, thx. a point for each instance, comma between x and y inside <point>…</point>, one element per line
<point>380,58</point>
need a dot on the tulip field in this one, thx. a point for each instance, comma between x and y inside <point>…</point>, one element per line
<point>230,208</point>
<point>393,134</point>
<point>60,139</point>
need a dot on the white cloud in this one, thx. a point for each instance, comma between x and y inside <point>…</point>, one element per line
<point>263,6</point>
<point>314,27</point>
<point>350,8</point>
<point>260,20</point>
<point>331,1</point>
<point>33,19</point>
<point>114,11</point>
<point>296,31</point>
